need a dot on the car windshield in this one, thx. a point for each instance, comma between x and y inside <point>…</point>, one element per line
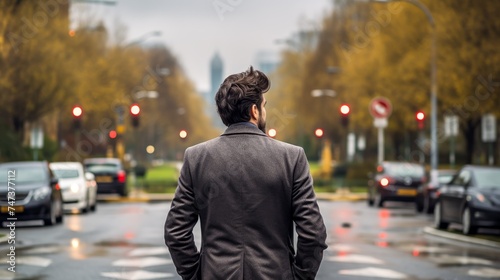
<point>405,170</point>
<point>488,178</point>
<point>445,178</point>
<point>22,174</point>
<point>65,173</point>
<point>101,167</point>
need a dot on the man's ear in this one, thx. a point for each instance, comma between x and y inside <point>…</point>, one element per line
<point>254,111</point>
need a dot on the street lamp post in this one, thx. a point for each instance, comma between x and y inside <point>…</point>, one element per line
<point>143,38</point>
<point>433,70</point>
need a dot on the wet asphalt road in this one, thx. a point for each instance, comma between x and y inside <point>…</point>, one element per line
<point>125,241</point>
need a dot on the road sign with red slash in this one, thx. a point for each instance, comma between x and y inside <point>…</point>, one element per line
<point>380,107</point>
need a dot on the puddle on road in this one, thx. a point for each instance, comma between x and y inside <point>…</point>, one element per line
<point>41,249</point>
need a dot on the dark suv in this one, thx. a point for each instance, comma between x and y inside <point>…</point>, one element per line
<point>109,175</point>
<point>395,181</point>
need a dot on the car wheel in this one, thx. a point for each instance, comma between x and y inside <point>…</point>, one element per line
<point>379,201</point>
<point>93,208</point>
<point>427,205</point>
<point>370,198</point>
<point>467,220</point>
<point>419,205</point>
<point>438,218</point>
<point>60,218</point>
<point>86,208</point>
<point>370,202</point>
<point>52,219</point>
<point>123,192</point>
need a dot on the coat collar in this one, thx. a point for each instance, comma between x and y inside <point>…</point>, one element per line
<point>243,128</point>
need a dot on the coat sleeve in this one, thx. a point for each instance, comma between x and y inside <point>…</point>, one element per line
<point>179,224</point>
<point>310,227</point>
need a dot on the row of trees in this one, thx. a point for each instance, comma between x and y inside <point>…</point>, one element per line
<point>47,69</point>
<point>383,49</point>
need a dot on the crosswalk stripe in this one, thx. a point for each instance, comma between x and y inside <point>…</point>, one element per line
<point>374,272</point>
<point>137,275</point>
<point>148,251</point>
<point>355,259</point>
<point>141,262</point>
<point>31,260</point>
<point>485,272</point>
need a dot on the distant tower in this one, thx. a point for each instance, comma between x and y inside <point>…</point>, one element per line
<point>216,70</point>
<point>267,61</point>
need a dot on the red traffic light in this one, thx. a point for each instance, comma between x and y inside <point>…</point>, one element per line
<point>183,134</point>
<point>420,116</point>
<point>345,109</point>
<point>319,132</point>
<point>112,134</point>
<point>135,109</point>
<point>77,111</point>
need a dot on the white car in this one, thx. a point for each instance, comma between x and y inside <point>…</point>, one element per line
<point>79,188</point>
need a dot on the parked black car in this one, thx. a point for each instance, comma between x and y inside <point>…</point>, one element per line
<point>472,199</point>
<point>109,175</point>
<point>395,181</point>
<point>34,191</point>
<point>427,193</point>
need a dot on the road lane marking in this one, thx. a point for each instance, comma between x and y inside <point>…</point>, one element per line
<point>355,259</point>
<point>374,272</point>
<point>458,260</point>
<point>137,275</point>
<point>142,262</point>
<point>148,251</point>
<point>485,272</point>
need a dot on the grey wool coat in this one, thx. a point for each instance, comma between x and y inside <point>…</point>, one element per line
<point>248,190</point>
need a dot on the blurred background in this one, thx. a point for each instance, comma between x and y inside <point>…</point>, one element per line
<point>136,79</point>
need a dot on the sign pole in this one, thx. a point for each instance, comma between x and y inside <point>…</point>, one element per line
<point>380,144</point>
<point>380,108</point>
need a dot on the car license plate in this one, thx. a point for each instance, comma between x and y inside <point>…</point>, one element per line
<point>16,209</point>
<point>407,192</point>
<point>104,179</point>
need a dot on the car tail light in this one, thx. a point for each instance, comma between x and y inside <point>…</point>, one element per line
<point>121,176</point>
<point>384,182</point>
<point>57,187</point>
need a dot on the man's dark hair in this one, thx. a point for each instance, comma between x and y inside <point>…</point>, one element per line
<point>238,93</point>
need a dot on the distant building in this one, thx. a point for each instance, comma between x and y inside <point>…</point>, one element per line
<point>267,61</point>
<point>216,77</point>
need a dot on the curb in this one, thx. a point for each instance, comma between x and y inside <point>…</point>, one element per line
<point>343,196</point>
<point>463,238</point>
<point>155,197</point>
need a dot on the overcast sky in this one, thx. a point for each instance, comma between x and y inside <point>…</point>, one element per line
<point>195,30</point>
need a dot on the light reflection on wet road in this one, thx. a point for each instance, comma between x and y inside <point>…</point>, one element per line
<point>125,241</point>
